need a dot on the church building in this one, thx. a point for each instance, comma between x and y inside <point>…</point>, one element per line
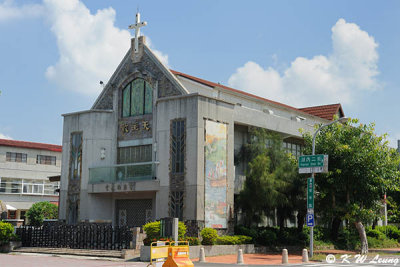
<point>160,143</point>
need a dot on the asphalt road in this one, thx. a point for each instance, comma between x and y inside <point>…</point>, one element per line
<point>41,260</point>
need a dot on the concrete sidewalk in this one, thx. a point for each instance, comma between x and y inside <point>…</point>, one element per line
<point>252,259</point>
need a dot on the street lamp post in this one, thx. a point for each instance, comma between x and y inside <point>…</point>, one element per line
<point>313,175</point>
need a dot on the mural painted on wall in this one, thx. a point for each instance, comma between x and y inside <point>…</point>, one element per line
<point>215,174</point>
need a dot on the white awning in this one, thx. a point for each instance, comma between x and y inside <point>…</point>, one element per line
<point>20,205</point>
<point>9,207</point>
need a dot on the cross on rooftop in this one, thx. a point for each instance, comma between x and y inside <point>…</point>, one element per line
<point>137,27</point>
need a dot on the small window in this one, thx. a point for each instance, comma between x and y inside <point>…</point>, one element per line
<point>47,160</point>
<point>2,186</point>
<point>15,187</point>
<point>134,154</point>
<point>137,98</point>
<point>16,157</point>
<point>12,214</point>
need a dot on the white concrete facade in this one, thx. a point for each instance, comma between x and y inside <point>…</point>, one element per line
<point>24,171</point>
<point>175,97</point>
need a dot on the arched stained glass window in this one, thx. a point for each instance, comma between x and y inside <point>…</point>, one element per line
<point>137,98</point>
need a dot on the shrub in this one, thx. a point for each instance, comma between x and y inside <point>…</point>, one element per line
<point>181,230</point>
<point>381,243</point>
<point>375,233</point>
<point>390,231</point>
<point>245,239</point>
<point>193,241</point>
<point>152,230</point>
<point>348,239</point>
<point>233,240</point>
<point>40,211</point>
<point>6,232</point>
<point>242,230</point>
<point>267,237</point>
<point>227,240</point>
<point>209,236</point>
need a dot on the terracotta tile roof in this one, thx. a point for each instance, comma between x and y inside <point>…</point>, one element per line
<point>302,110</point>
<point>31,145</point>
<point>325,111</point>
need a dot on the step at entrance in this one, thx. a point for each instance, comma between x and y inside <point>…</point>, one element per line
<point>77,252</point>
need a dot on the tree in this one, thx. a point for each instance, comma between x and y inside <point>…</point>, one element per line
<point>272,182</point>
<point>361,168</point>
<point>40,211</point>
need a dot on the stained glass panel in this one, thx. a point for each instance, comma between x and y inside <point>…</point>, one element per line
<point>126,101</point>
<point>137,97</point>
<point>76,156</point>
<point>148,105</point>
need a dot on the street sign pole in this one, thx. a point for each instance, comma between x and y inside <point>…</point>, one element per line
<point>312,177</point>
<point>312,227</point>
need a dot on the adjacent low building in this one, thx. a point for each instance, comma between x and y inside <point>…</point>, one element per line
<point>159,143</point>
<point>24,171</point>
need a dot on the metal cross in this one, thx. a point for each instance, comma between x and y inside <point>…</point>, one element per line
<point>137,27</point>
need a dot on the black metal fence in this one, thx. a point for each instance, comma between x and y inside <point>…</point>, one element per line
<point>82,236</point>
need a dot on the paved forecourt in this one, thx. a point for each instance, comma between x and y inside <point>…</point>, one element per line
<point>41,260</point>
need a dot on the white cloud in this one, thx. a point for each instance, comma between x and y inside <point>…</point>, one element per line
<point>90,45</point>
<point>350,69</point>
<point>10,11</point>
<point>3,136</point>
<point>160,55</point>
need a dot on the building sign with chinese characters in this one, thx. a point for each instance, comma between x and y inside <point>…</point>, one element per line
<point>134,128</point>
<point>120,187</point>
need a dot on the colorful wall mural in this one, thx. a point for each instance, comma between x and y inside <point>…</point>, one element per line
<point>215,151</point>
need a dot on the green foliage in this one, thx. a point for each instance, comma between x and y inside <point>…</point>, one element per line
<point>361,168</point>
<point>181,230</point>
<point>390,231</point>
<point>40,211</point>
<point>393,207</point>
<point>267,237</point>
<point>382,242</point>
<point>6,232</point>
<point>244,239</point>
<point>152,230</point>
<point>273,236</point>
<point>272,181</point>
<point>348,239</point>
<point>323,245</point>
<point>374,233</point>
<point>209,236</point>
<point>233,240</point>
<point>193,241</point>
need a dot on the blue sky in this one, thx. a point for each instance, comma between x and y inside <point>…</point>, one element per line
<point>54,53</point>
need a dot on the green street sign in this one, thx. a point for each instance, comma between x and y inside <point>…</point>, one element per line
<point>310,193</point>
<point>313,164</point>
<point>309,161</point>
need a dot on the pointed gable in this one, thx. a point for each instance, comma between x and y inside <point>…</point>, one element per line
<point>325,111</point>
<point>150,68</point>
